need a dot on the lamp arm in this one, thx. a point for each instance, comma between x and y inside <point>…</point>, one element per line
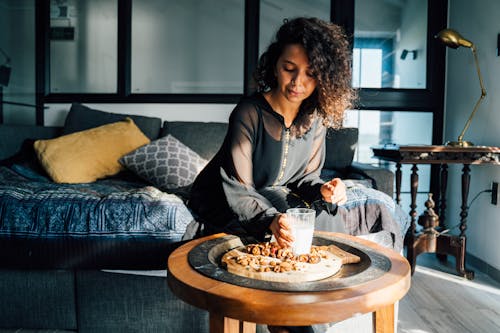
<point>483,95</point>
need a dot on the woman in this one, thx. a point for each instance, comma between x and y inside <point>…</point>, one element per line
<point>274,149</point>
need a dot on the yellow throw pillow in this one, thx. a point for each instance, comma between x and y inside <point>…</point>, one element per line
<point>86,156</point>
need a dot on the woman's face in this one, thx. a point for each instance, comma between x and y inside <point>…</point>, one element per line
<point>296,81</point>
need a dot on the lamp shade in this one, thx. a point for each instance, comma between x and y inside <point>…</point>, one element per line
<point>453,39</point>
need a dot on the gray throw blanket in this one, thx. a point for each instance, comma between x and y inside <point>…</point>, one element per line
<point>368,210</point>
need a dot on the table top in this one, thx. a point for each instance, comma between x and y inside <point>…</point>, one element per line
<point>287,307</point>
<point>434,154</point>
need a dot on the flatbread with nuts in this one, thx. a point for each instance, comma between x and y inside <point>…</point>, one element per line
<point>268,262</point>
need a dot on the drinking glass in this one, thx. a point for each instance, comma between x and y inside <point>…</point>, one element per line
<point>301,222</point>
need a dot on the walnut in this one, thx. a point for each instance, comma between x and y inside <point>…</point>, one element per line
<point>314,259</point>
<point>303,258</point>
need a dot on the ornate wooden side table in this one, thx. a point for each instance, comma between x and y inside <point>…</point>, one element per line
<point>443,244</point>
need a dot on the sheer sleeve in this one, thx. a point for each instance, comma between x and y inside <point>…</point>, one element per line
<point>254,211</point>
<point>308,186</point>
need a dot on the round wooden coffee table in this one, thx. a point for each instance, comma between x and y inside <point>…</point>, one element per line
<point>236,307</point>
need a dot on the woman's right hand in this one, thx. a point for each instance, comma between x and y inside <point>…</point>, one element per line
<point>281,231</point>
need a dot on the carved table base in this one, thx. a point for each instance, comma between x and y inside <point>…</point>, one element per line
<point>431,240</point>
<point>442,245</point>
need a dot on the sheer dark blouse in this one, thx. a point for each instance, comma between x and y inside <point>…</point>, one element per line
<point>258,152</point>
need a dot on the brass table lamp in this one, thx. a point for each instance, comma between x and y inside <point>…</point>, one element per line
<point>453,39</point>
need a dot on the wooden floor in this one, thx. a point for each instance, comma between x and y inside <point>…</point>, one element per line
<point>441,302</point>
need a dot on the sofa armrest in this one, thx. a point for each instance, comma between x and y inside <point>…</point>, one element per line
<point>383,179</point>
<point>13,136</point>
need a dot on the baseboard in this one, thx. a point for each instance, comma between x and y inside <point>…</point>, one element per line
<point>483,266</point>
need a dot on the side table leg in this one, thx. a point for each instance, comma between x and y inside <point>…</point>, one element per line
<point>455,246</point>
<point>443,182</point>
<point>411,236</point>
<point>465,193</point>
<point>414,188</point>
<point>383,320</point>
<point>442,195</point>
<point>398,183</point>
<point>462,239</point>
<point>221,324</point>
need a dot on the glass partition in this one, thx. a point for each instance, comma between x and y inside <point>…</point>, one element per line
<point>83,46</point>
<point>273,12</point>
<point>393,127</point>
<point>189,46</point>
<point>390,44</point>
<point>17,55</point>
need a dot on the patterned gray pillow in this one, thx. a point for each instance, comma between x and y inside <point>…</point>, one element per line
<point>166,163</point>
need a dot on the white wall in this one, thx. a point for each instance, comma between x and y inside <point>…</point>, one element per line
<point>478,22</point>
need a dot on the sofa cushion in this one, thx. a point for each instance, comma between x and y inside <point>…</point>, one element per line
<point>166,163</point>
<point>81,118</point>
<point>204,138</point>
<point>340,147</point>
<point>86,156</point>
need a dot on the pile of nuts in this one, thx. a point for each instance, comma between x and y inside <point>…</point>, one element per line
<point>267,257</point>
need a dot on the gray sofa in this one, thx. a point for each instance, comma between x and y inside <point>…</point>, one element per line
<point>97,299</point>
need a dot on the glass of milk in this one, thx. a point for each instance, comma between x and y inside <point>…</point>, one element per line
<point>301,222</point>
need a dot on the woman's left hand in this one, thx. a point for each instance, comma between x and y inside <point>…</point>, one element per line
<point>334,191</point>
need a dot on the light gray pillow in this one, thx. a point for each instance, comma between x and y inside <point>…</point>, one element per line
<point>166,163</point>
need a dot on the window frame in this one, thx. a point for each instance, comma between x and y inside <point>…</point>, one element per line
<point>430,99</point>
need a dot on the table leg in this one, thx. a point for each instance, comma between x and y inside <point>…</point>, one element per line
<point>461,241</point>
<point>455,246</point>
<point>414,189</point>
<point>221,324</point>
<point>411,237</point>
<point>398,183</point>
<point>465,194</point>
<point>383,320</point>
<point>443,182</point>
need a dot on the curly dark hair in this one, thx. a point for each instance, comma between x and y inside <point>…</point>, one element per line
<point>329,55</point>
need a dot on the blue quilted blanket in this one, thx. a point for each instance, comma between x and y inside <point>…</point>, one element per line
<point>33,206</point>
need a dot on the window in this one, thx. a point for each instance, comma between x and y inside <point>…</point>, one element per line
<point>153,51</point>
<point>397,68</point>
<point>372,63</point>
<point>83,46</point>
<point>401,127</point>
<point>189,46</point>
<point>394,33</point>
<point>17,53</point>
<point>273,12</point>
